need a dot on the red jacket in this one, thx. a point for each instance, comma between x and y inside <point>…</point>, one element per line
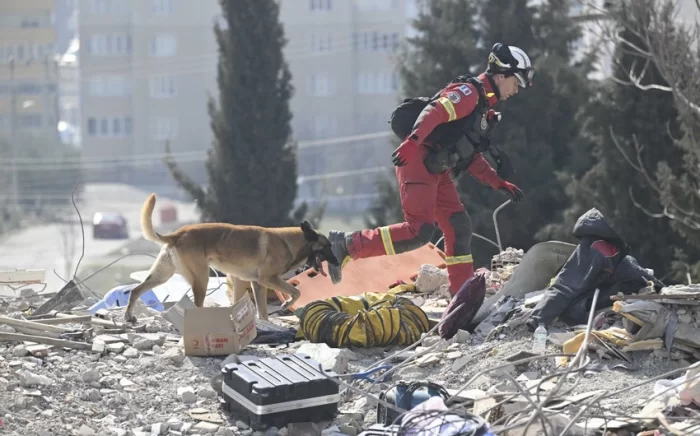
<point>458,100</point>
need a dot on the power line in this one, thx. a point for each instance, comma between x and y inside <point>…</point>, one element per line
<point>185,156</point>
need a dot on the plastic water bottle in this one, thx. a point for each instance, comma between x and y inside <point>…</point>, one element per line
<point>540,340</point>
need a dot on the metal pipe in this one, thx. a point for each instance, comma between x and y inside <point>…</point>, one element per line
<point>473,234</point>
<point>495,222</point>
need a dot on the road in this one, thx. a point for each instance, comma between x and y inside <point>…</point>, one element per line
<point>42,247</point>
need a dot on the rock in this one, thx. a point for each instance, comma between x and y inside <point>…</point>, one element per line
<point>116,347</point>
<point>428,359</point>
<point>685,318</point>
<point>91,376</point>
<point>334,359</point>
<point>19,351</point>
<point>131,353</point>
<point>84,430</point>
<point>27,378</point>
<point>429,341</point>
<point>174,355</point>
<point>125,383</point>
<point>26,293</point>
<point>98,346</point>
<point>452,355</point>
<point>205,427</point>
<point>461,363</point>
<point>187,395</point>
<point>146,341</point>
<point>207,393</point>
<point>462,337</point>
<point>430,279</point>
<point>93,395</point>
<point>38,350</point>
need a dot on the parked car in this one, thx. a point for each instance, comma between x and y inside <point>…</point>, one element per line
<point>109,225</point>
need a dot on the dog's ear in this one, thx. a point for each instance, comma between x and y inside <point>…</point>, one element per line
<point>309,233</point>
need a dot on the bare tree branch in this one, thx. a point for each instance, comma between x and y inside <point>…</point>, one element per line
<point>621,149</point>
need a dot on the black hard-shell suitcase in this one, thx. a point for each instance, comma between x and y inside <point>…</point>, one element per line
<point>276,391</point>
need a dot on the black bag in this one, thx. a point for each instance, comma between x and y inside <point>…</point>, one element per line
<point>405,115</point>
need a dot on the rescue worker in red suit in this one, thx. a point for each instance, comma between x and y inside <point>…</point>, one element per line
<point>424,169</point>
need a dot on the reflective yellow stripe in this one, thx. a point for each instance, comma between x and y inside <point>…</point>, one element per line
<point>386,239</point>
<point>456,260</point>
<point>345,261</point>
<point>449,107</point>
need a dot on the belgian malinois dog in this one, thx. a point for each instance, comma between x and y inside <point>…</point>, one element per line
<point>260,255</point>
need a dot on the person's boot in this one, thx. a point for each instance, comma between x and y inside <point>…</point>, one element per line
<point>339,246</point>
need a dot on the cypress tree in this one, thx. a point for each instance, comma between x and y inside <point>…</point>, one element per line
<point>252,163</point>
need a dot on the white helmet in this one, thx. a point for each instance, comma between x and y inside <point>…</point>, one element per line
<point>511,60</point>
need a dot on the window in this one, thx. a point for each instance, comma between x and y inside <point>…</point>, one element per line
<point>370,82</point>
<point>109,86</point>
<point>375,41</point>
<point>320,85</point>
<point>107,7</point>
<point>320,5</point>
<point>26,20</point>
<point>163,128</point>
<point>104,127</point>
<point>162,7</point>
<point>92,126</point>
<point>110,44</point>
<point>164,45</point>
<point>321,43</point>
<point>109,127</point>
<point>117,126</point>
<point>162,86</point>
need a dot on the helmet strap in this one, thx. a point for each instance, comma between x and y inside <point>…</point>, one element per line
<point>489,77</point>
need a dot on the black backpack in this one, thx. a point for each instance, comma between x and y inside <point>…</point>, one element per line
<point>404,116</point>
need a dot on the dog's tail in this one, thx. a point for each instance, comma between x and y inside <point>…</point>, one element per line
<point>147,221</point>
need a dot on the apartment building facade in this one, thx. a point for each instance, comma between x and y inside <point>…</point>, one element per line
<point>342,57</point>
<point>147,67</point>
<point>28,71</point>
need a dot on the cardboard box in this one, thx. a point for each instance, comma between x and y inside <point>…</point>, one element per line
<point>219,331</point>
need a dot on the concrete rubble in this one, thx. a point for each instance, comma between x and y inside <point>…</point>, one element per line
<point>126,380</point>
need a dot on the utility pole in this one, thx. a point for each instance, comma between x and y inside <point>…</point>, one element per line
<point>13,139</point>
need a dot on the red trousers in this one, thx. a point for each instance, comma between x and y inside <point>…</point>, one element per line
<point>425,199</point>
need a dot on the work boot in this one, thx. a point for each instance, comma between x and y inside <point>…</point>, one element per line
<point>339,246</point>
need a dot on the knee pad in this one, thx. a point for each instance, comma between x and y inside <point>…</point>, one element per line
<point>462,228</point>
<point>423,235</point>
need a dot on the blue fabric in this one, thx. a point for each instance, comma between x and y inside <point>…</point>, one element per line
<point>119,297</point>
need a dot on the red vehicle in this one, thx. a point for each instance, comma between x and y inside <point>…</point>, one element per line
<point>109,225</point>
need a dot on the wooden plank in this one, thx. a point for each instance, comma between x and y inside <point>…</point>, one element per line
<point>34,325</point>
<point>69,319</point>
<point>23,276</point>
<point>47,341</point>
